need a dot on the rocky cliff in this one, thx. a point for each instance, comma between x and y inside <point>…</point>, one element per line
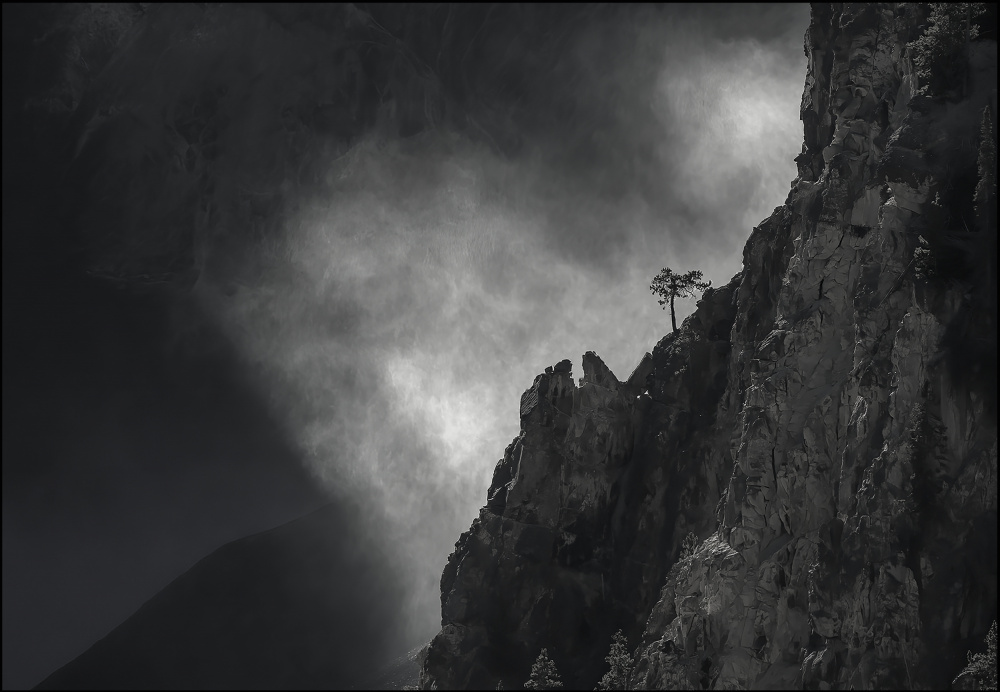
<point>588,506</point>
<point>825,425</point>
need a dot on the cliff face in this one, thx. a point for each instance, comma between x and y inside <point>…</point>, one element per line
<point>588,507</point>
<point>826,423</point>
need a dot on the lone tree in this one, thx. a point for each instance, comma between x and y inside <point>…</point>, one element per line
<point>544,675</point>
<point>668,285</point>
<point>619,677</point>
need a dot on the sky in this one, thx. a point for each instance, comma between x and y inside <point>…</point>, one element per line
<point>374,342</point>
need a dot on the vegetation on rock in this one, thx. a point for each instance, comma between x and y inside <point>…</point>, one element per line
<point>669,285</point>
<point>544,675</point>
<point>983,666</point>
<point>940,53</point>
<point>689,545</point>
<point>619,677</point>
<point>863,450</point>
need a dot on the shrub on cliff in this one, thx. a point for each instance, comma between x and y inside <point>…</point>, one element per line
<point>940,53</point>
<point>983,666</point>
<point>688,545</point>
<point>544,675</point>
<point>619,677</point>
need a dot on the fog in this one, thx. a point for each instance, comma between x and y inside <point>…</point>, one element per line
<point>370,302</point>
<point>396,320</point>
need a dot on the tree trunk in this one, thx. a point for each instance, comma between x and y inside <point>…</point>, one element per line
<point>673,320</point>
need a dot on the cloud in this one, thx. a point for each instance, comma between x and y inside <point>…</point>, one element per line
<point>405,303</point>
<point>392,312</point>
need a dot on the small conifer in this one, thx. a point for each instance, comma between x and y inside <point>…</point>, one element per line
<point>619,676</point>
<point>544,675</point>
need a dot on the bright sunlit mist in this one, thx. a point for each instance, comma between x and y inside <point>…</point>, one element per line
<point>404,310</point>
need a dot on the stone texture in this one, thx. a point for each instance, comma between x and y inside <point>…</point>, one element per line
<point>843,506</point>
<point>817,402</point>
<point>587,507</point>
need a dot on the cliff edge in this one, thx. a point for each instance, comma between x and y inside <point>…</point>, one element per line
<point>825,425</point>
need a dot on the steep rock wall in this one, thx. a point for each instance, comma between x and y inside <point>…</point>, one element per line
<point>856,544</point>
<point>587,509</point>
<point>856,523</point>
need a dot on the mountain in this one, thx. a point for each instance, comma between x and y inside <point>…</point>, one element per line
<point>236,227</point>
<point>289,608</point>
<point>161,163</point>
<point>825,424</point>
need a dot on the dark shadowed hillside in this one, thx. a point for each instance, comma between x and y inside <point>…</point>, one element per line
<point>277,610</point>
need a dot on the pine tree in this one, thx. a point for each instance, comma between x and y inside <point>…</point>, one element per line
<point>669,285</point>
<point>544,675</point>
<point>619,677</point>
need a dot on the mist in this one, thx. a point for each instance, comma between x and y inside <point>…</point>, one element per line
<point>402,310</point>
<point>362,251</point>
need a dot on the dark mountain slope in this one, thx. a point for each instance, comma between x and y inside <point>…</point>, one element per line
<point>279,609</point>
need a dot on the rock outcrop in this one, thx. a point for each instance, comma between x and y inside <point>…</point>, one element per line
<point>826,424</point>
<point>587,508</point>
